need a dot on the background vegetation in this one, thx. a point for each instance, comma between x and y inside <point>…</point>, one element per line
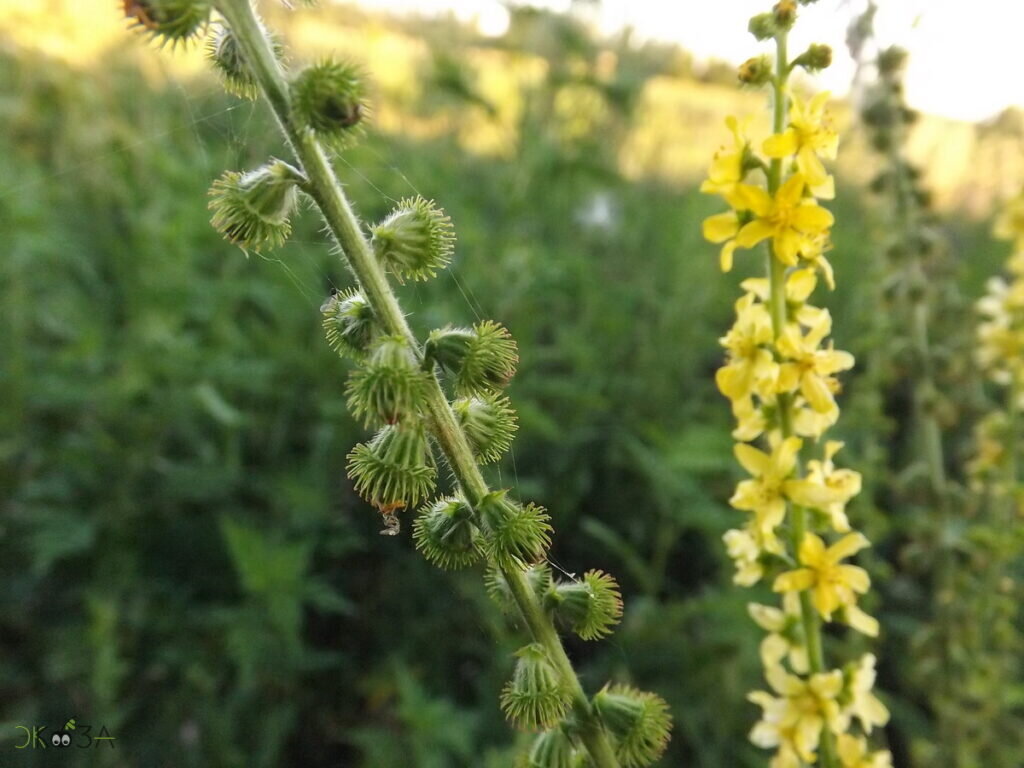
<point>183,558</point>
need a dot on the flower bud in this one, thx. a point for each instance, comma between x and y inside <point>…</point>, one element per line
<point>785,13</point>
<point>639,721</point>
<point>350,324</point>
<point>391,471</point>
<point>536,696</point>
<point>446,535</point>
<point>415,241</point>
<point>552,749</point>
<point>252,209</point>
<point>755,71</point>
<point>489,423</point>
<point>482,359</point>
<point>815,58</point>
<point>389,386</point>
<point>169,21</point>
<point>591,606</point>
<point>330,99</point>
<point>891,60</point>
<point>515,535</point>
<point>223,53</point>
<point>538,576</point>
<point>763,26</point>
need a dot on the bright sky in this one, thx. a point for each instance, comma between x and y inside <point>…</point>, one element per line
<point>964,54</point>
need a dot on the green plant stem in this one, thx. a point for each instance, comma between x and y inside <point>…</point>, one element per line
<point>325,189</point>
<point>777,308</point>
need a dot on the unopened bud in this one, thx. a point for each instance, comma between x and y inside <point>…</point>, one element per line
<point>815,58</point>
<point>763,26</point>
<point>755,71</point>
<point>168,21</point>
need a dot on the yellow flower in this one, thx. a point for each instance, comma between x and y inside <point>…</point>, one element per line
<point>750,420</point>
<point>784,638</point>
<point>800,284</point>
<point>751,366</point>
<point>745,546</point>
<point>763,493</point>
<point>810,137</point>
<point>723,228</point>
<point>726,172</point>
<point>808,422</point>
<point>827,488</point>
<point>853,753</point>
<point>809,368</point>
<point>796,717</point>
<point>832,583</point>
<point>792,221</point>
<point>861,702</point>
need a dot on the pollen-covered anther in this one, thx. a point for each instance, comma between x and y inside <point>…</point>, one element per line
<point>482,358</point>
<point>391,471</point>
<point>168,21</point>
<point>329,98</point>
<point>639,722</point>
<point>489,423</point>
<point>515,536</point>
<point>591,606</point>
<point>390,386</point>
<point>350,323</point>
<point>445,533</point>
<point>252,209</point>
<point>415,240</point>
<point>536,697</point>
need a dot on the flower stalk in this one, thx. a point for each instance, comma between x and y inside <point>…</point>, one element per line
<point>780,376</point>
<point>321,110</point>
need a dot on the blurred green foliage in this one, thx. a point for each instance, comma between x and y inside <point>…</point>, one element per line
<point>183,557</point>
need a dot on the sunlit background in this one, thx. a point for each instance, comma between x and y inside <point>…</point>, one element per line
<point>183,558</point>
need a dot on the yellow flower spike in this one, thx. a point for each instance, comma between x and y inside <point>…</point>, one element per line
<point>726,171</point>
<point>853,753</point>
<point>789,219</point>
<point>832,584</point>
<point>810,137</point>
<point>863,704</point>
<point>762,494</point>
<point>723,228</point>
<point>780,624</point>
<point>751,367</point>
<point>826,488</point>
<point>797,716</point>
<point>809,368</point>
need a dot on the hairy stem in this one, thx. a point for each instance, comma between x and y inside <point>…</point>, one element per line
<point>326,190</point>
<point>777,307</point>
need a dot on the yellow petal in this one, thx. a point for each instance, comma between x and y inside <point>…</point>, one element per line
<point>721,227</point>
<point>855,577</point>
<point>815,389</point>
<point>811,217</point>
<point>794,581</point>
<point>756,462</point>
<point>861,621</point>
<point>786,246</point>
<point>725,256</point>
<point>767,617</point>
<point>755,199</point>
<point>781,144</point>
<point>753,233</point>
<point>812,550</point>
<point>848,545</point>
<point>791,192</point>
<point>800,285</point>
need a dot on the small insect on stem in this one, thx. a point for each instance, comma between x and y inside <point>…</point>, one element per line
<point>392,525</point>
